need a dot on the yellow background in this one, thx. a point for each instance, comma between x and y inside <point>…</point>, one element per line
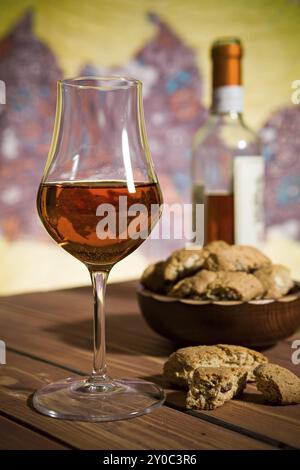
<point>108,32</point>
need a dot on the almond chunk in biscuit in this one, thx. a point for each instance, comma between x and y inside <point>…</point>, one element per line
<point>183,263</point>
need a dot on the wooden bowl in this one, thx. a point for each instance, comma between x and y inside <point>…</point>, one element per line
<point>256,324</point>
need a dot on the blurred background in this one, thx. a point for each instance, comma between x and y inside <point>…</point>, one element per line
<point>166,44</point>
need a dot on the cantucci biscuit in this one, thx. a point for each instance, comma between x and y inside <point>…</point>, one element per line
<point>211,387</point>
<point>180,366</point>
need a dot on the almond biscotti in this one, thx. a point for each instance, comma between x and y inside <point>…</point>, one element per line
<point>185,262</point>
<point>218,271</point>
<point>180,366</point>
<point>153,278</point>
<point>277,384</point>
<point>235,286</point>
<point>276,280</point>
<point>211,387</point>
<point>193,286</point>
<point>215,247</point>
<point>220,285</point>
<point>236,258</point>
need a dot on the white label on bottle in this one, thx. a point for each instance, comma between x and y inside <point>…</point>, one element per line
<point>2,92</point>
<point>248,176</point>
<point>228,98</point>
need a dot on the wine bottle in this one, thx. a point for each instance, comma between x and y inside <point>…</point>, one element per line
<point>227,166</point>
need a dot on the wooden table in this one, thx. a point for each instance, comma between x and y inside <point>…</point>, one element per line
<point>48,337</point>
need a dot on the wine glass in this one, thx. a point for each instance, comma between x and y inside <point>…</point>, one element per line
<point>99,198</point>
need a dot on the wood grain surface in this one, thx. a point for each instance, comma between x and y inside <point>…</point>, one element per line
<point>49,337</point>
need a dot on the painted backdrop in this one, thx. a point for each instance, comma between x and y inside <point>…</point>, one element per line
<point>165,44</point>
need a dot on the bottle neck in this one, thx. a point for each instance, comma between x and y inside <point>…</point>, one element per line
<point>228,99</point>
<point>228,92</point>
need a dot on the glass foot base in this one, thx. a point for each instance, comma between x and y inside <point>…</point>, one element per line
<point>78,399</point>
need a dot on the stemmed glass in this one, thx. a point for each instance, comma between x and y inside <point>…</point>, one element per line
<point>99,198</point>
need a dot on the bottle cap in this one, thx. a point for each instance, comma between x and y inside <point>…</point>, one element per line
<point>226,56</point>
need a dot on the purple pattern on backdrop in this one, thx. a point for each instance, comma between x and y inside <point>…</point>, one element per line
<point>281,138</point>
<point>172,87</point>
<point>30,72</point>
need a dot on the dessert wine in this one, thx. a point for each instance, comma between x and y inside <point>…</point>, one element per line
<point>99,199</point>
<point>227,168</point>
<point>219,217</point>
<point>72,214</point>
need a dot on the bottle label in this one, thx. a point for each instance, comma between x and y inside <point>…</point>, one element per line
<point>248,177</point>
<point>228,98</point>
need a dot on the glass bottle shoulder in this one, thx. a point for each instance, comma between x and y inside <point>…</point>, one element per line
<point>227,130</point>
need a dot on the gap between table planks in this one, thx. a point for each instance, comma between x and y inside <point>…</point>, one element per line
<point>56,327</point>
<point>15,436</point>
<point>164,429</point>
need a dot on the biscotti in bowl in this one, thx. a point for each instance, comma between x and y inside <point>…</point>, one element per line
<point>220,294</point>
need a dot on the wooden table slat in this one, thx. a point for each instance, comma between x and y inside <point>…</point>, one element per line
<point>56,326</point>
<point>163,429</point>
<point>14,436</point>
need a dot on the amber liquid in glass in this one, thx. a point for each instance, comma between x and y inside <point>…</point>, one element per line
<point>219,217</point>
<point>69,213</point>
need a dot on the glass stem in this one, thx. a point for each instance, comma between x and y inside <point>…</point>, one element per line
<point>99,281</point>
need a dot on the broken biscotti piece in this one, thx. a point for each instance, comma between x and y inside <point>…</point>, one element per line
<point>180,366</point>
<point>216,247</point>
<point>158,277</point>
<point>235,286</point>
<point>183,263</point>
<point>277,384</point>
<point>236,258</point>
<point>276,280</point>
<point>153,278</point>
<point>193,286</point>
<point>211,387</point>
<point>186,262</point>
